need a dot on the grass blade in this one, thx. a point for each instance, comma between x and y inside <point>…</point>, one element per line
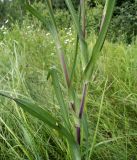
<point>36,111</point>
<point>59,95</point>
<point>75,61</point>
<point>83,17</point>
<point>98,121</point>
<point>103,16</point>
<point>56,38</point>
<point>53,29</point>
<point>16,139</point>
<point>83,44</point>
<point>96,50</point>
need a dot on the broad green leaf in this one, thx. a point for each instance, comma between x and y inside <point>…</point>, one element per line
<point>99,43</point>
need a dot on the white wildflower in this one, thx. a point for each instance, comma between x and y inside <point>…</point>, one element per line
<point>28,27</point>
<point>48,34</point>
<point>52,54</point>
<point>4,32</point>
<point>2,27</point>
<point>6,21</point>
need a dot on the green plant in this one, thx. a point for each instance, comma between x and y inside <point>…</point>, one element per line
<point>61,4</point>
<point>123,26</point>
<point>73,125</point>
<point>125,21</point>
<point>11,11</point>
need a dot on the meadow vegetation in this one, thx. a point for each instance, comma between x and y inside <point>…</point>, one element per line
<point>27,52</point>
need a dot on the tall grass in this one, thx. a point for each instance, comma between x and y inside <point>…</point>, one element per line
<point>73,125</point>
<point>111,100</point>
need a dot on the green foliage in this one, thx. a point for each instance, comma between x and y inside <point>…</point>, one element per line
<point>107,14</point>
<point>123,26</point>
<point>124,23</point>
<point>27,53</point>
<point>73,123</point>
<point>63,18</point>
<point>110,128</point>
<point>93,19</point>
<point>11,10</point>
<point>60,4</point>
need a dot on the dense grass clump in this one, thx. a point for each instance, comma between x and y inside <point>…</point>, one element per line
<point>26,54</point>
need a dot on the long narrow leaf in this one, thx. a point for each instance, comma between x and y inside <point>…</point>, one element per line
<point>103,16</point>
<point>96,50</point>
<point>83,17</point>
<point>53,29</point>
<point>74,62</point>
<point>82,114</point>
<point>58,44</point>
<point>59,95</point>
<point>83,44</point>
<point>36,111</point>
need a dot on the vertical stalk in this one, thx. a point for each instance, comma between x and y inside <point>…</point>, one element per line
<point>75,61</point>
<point>63,62</point>
<point>83,21</point>
<point>109,7</point>
<point>103,16</point>
<point>56,38</point>
<point>78,134</point>
<point>85,87</point>
<point>50,1</point>
<point>81,111</point>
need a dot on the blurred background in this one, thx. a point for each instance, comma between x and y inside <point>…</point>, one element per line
<point>123,26</point>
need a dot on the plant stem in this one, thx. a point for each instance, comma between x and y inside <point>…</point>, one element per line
<point>78,134</point>
<point>83,100</point>
<point>82,104</point>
